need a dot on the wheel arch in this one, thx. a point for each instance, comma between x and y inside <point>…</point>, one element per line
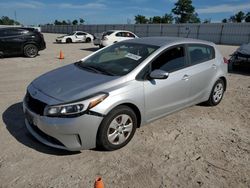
<point>224,80</point>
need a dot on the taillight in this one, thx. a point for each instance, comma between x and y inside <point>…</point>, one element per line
<point>225,60</point>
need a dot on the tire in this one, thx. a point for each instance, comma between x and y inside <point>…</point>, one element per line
<point>101,46</point>
<point>216,93</point>
<point>117,128</point>
<point>88,40</point>
<point>68,40</point>
<point>30,50</point>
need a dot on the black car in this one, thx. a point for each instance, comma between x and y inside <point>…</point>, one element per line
<point>21,41</point>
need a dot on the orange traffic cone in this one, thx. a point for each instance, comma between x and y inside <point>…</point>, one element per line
<point>61,55</point>
<point>99,183</point>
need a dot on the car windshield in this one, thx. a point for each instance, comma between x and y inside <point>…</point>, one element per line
<point>118,59</point>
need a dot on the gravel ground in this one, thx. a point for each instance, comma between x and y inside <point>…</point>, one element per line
<point>196,147</point>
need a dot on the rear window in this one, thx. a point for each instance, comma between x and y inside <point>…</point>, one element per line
<point>199,53</point>
<point>108,33</point>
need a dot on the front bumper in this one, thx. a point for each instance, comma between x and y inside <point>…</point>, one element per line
<point>71,134</point>
<point>59,40</point>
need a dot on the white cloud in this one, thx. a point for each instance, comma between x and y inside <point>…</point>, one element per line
<point>83,6</point>
<point>223,8</point>
<point>24,4</point>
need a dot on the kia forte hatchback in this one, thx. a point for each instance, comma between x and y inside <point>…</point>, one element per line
<point>102,99</point>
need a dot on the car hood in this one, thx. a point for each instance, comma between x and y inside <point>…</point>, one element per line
<point>62,36</point>
<point>71,83</point>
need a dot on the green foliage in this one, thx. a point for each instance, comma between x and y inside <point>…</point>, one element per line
<point>185,12</point>
<point>224,20</point>
<point>75,22</point>
<point>5,20</point>
<point>238,18</point>
<point>167,18</point>
<point>140,19</point>
<point>247,18</point>
<point>81,20</point>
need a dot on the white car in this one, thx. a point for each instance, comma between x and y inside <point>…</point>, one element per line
<point>76,36</point>
<point>114,36</point>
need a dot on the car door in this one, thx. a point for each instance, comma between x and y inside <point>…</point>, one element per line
<point>1,42</point>
<point>203,69</point>
<point>13,41</point>
<point>119,37</point>
<point>163,96</point>
<point>80,37</point>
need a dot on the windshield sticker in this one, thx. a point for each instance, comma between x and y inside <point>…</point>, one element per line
<point>133,56</point>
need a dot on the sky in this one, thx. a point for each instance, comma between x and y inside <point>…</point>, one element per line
<point>34,12</point>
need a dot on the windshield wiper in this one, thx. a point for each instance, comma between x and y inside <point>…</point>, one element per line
<point>94,68</point>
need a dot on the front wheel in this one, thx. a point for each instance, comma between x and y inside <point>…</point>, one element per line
<point>216,93</point>
<point>117,128</point>
<point>30,50</point>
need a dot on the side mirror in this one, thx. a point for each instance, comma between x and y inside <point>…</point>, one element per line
<point>159,74</point>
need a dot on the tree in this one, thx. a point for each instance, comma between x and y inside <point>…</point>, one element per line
<point>194,18</point>
<point>5,20</point>
<point>140,19</point>
<point>81,21</point>
<point>238,17</point>
<point>64,22</point>
<point>224,20</point>
<point>247,17</point>
<point>57,22</point>
<point>167,18</point>
<point>75,22</point>
<point>185,12</point>
<point>207,21</point>
<point>156,19</point>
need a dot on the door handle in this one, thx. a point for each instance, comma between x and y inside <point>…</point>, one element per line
<point>185,77</point>
<point>214,66</point>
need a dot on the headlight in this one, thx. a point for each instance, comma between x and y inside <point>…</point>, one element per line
<point>74,108</point>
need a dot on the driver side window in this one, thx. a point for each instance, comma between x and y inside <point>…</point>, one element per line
<point>171,60</point>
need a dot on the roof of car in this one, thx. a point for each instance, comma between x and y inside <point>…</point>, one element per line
<point>26,28</point>
<point>162,41</point>
<point>119,31</point>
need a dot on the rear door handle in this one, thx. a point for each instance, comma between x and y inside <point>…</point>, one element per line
<point>185,77</point>
<point>214,66</point>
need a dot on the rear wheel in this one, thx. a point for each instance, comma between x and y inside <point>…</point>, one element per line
<point>68,40</point>
<point>88,40</point>
<point>30,50</point>
<point>216,93</point>
<point>117,128</point>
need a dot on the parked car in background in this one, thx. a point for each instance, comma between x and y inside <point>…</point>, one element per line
<point>76,36</point>
<point>114,36</point>
<point>241,56</point>
<point>21,41</point>
<point>102,99</point>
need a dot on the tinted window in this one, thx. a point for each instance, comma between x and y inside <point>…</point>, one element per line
<point>119,34</point>
<point>171,60</point>
<point>80,34</point>
<point>200,53</point>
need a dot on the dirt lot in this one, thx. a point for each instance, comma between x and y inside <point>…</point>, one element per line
<point>196,147</point>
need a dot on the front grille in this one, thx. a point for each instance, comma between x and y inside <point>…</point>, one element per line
<point>50,139</point>
<point>34,105</point>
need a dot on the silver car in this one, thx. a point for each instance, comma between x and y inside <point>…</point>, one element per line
<point>102,99</point>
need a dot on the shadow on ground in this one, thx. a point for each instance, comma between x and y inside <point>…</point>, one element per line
<point>13,117</point>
